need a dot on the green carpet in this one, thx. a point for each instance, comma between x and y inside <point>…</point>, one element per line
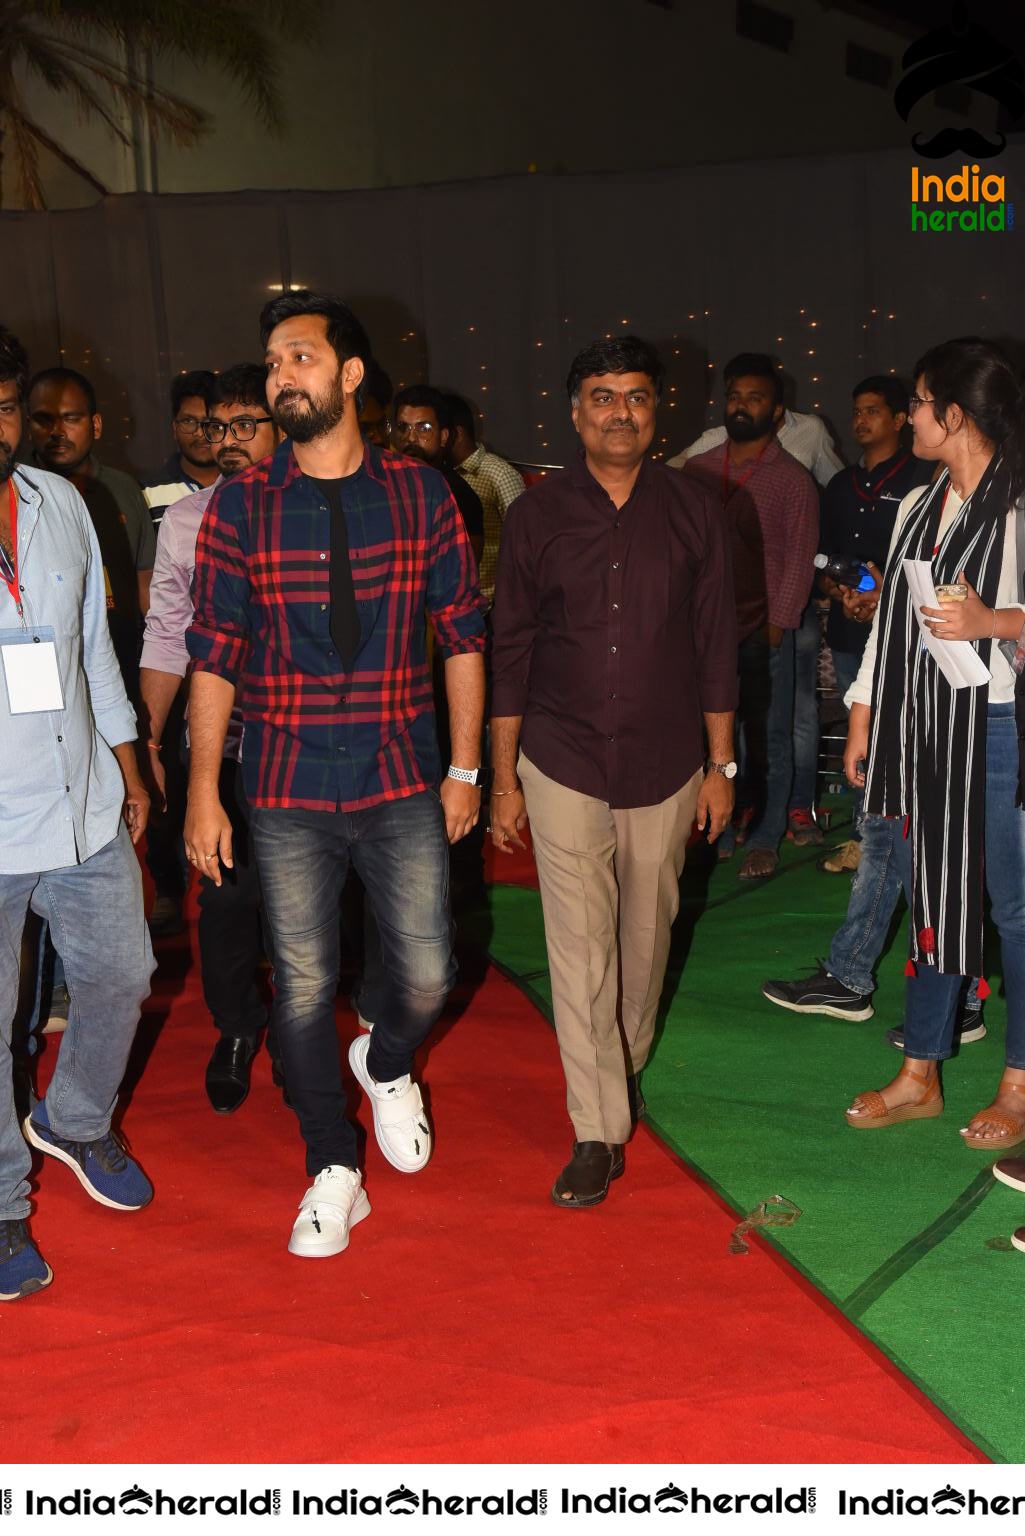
<point>904,1229</point>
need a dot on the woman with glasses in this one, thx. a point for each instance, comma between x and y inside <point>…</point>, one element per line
<point>945,758</point>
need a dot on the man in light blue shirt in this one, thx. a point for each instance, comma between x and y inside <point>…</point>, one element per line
<point>71,806</point>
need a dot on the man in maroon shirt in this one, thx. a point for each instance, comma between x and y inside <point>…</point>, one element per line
<point>614,646</point>
<point>769,506</point>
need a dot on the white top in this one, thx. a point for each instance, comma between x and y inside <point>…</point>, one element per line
<point>806,438</point>
<point>1001,689</point>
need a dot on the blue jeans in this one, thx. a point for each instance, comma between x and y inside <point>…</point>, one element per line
<point>98,928</point>
<point>931,1007</point>
<point>875,890</point>
<point>400,852</point>
<point>766,715</point>
<point>807,640</point>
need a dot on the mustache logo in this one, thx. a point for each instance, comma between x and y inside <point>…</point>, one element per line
<point>963,53</point>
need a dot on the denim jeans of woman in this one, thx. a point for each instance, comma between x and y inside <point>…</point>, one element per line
<point>932,997</point>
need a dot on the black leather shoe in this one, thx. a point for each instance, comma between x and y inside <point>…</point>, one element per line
<point>227,1075</point>
<point>586,1177</point>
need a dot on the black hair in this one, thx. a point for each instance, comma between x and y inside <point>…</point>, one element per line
<point>377,385</point>
<point>245,383</point>
<point>344,332</point>
<point>460,414</point>
<point>620,354</point>
<point>13,362</point>
<point>428,399</point>
<point>893,390</point>
<point>66,376</point>
<point>754,365</point>
<point>199,381</point>
<point>978,376</point>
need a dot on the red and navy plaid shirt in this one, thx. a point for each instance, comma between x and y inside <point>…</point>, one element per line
<point>317,737</point>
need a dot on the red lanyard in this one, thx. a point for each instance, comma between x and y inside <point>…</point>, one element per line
<point>873,495</point>
<point>728,488</point>
<point>10,571</point>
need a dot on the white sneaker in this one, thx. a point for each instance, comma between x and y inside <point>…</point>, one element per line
<point>333,1204</point>
<point>400,1120</point>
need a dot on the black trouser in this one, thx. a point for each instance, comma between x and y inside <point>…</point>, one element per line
<point>230,931</point>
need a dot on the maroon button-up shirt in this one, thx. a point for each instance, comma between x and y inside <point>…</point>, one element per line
<point>614,630</point>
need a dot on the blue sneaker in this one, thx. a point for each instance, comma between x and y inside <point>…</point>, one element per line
<point>22,1269</point>
<point>102,1167</point>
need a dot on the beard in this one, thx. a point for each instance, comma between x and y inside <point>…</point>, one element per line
<point>305,418</point>
<point>742,427</point>
<point>6,463</point>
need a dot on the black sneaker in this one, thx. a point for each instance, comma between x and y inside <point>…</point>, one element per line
<point>820,993</point>
<point>969,1027</point>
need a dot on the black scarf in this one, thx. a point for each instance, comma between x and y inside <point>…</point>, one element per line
<point>927,749</point>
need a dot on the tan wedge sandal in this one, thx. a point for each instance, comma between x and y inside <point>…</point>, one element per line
<point>876,1114</point>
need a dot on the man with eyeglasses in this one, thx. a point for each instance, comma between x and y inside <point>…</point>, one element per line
<point>421,427</point>
<point>241,433</point>
<point>191,466</point>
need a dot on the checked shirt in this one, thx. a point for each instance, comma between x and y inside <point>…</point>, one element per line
<point>318,737</point>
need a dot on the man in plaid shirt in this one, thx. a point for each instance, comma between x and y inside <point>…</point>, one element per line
<point>316,571</point>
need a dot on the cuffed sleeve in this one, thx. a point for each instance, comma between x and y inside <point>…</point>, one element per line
<point>454,602</point>
<point>219,637</point>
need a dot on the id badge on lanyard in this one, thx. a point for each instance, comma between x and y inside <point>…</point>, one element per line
<point>29,660</point>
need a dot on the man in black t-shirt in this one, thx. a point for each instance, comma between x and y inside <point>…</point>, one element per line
<point>859,508</point>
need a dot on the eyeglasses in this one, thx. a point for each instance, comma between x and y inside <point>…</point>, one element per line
<point>915,402</point>
<point>190,425</point>
<point>413,429</point>
<point>242,429</point>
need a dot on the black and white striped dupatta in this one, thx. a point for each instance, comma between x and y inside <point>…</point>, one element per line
<point>927,749</point>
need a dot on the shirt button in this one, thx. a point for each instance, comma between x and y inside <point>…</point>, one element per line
<point>612,649</point>
<point>615,607</point>
<point>612,695</point>
<point>323,557</point>
<point>616,524</point>
<point>323,606</point>
<point>60,738</point>
<point>342,698</point>
<point>615,565</point>
<point>67,789</point>
<point>612,738</point>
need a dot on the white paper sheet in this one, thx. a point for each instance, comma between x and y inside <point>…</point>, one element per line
<point>959,662</point>
<point>32,677</point>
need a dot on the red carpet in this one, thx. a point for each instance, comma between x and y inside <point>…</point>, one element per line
<point>470,1320</point>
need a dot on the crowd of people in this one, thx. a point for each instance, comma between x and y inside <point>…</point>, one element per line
<point>274,659</point>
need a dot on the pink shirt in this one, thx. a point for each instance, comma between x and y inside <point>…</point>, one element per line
<point>170,595</point>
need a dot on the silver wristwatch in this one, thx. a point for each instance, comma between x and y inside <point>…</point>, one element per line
<point>466,775</point>
<point>728,770</point>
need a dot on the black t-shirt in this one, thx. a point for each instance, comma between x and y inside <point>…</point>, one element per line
<point>859,509</point>
<point>344,618</point>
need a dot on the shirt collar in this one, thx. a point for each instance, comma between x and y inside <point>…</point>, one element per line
<point>284,468</point>
<point>581,476</point>
<point>475,459</point>
<point>884,465</point>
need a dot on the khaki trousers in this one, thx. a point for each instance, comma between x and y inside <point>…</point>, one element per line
<point>610,891</point>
